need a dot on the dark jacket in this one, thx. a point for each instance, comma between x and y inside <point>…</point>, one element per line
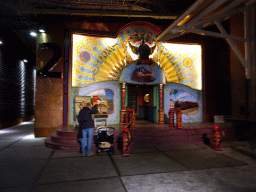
<point>85,118</point>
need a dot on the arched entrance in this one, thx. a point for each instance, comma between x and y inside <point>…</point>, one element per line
<point>140,98</point>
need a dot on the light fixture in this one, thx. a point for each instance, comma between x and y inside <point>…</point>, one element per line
<point>25,60</point>
<point>1,42</point>
<point>41,30</point>
<point>33,34</point>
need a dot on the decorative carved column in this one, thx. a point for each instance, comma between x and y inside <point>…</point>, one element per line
<point>161,111</point>
<point>123,111</point>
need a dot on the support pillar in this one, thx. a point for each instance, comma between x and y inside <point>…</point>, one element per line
<point>123,111</point>
<point>250,31</point>
<point>161,111</point>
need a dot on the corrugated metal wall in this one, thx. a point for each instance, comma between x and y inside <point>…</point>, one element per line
<point>16,79</point>
<point>30,91</point>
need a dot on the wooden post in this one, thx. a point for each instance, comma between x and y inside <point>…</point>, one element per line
<point>161,111</point>
<point>123,111</point>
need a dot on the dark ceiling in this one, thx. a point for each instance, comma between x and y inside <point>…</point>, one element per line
<point>22,16</point>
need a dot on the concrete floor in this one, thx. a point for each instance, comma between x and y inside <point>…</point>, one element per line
<point>27,165</point>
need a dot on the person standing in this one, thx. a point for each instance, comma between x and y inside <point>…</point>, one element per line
<point>86,125</point>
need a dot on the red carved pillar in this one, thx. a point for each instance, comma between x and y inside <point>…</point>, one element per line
<point>171,117</point>
<point>123,111</point>
<point>178,118</point>
<point>161,111</point>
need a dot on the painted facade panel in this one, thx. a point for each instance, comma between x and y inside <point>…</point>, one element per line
<point>188,99</point>
<point>97,59</point>
<point>110,90</point>
<point>142,74</point>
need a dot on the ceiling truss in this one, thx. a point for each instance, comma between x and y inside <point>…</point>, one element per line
<point>209,16</point>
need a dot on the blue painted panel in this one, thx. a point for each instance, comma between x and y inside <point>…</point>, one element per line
<point>190,101</point>
<point>111,89</point>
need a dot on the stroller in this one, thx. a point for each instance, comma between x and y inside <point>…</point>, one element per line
<point>104,139</point>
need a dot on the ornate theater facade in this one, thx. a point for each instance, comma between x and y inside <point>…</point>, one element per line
<point>102,63</point>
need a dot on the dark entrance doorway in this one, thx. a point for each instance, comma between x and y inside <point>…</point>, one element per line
<point>140,98</point>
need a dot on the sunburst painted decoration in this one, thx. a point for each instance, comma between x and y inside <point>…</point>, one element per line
<point>97,59</point>
<point>181,64</point>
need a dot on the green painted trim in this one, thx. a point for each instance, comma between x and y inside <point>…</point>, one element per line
<point>156,101</point>
<point>120,107</point>
<point>72,105</point>
<point>126,95</point>
<point>164,87</point>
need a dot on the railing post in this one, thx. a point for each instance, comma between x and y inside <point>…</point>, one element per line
<point>123,119</point>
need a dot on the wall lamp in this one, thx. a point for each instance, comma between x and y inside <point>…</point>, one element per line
<point>41,30</point>
<point>33,34</point>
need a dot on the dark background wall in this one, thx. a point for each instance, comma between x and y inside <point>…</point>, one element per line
<point>216,78</point>
<point>16,80</point>
<point>239,88</point>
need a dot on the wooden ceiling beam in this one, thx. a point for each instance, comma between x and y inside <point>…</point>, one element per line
<point>99,12</point>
